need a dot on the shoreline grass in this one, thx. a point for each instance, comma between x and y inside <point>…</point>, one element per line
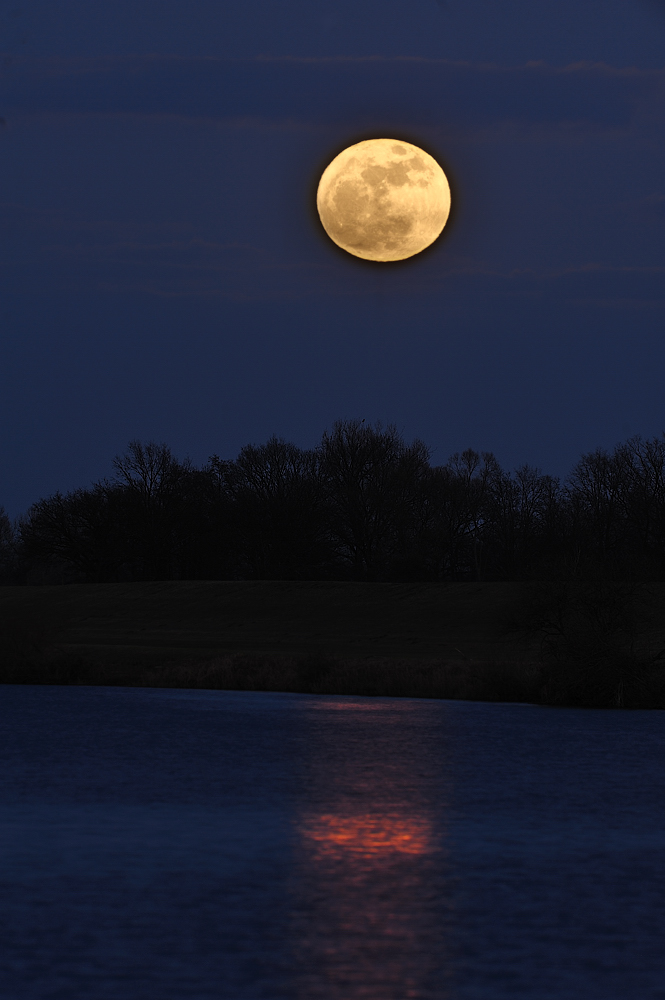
<point>592,647</point>
<point>634,685</point>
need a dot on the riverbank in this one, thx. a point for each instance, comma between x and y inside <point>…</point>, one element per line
<point>628,684</point>
<point>454,641</point>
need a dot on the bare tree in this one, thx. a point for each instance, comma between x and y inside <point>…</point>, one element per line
<point>277,508</point>
<point>522,512</point>
<point>370,479</point>
<point>149,470</point>
<point>597,493</point>
<point>644,465</point>
<point>155,488</point>
<point>469,477</point>
<point>8,550</point>
<point>75,536</point>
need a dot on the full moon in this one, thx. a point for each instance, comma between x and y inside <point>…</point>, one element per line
<point>383,199</point>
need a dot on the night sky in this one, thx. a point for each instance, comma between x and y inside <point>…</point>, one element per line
<point>164,276</point>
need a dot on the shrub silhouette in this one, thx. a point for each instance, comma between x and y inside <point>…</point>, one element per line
<point>595,642</point>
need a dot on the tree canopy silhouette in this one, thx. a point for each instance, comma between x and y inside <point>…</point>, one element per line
<point>363,504</point>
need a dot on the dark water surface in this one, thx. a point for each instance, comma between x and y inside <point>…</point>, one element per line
<point>169,844</point>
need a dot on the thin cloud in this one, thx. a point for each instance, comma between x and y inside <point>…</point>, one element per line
<point>80,66</point>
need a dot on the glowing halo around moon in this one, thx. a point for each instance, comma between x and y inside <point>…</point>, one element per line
<point>383,199</point>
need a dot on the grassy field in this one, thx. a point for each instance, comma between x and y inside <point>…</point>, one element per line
<point>418,639</point>
<point>148,622</point>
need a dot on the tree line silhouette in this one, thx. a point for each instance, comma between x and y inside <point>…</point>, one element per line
<point>362,505</point>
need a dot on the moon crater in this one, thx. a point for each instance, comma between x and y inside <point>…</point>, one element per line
<point>383,199</point>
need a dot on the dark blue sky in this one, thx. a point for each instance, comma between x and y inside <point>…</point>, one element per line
<point>163,274</point>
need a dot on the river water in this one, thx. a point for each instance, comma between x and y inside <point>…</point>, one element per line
<point>165,844</point>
